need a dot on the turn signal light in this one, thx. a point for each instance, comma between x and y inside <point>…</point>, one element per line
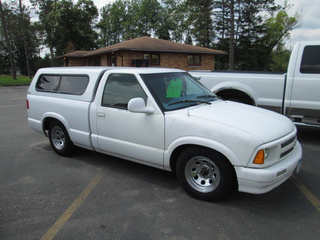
<point>259,159</point>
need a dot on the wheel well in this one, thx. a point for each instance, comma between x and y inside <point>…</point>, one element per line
<point>176,153</point>
<point>46,123</point>
<point>236,95</point>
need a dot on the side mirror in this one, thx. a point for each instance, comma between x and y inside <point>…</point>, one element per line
<point>137,105</point>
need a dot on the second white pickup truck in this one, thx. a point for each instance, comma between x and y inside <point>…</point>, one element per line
<point>295,94</point>
<point>165,119</point>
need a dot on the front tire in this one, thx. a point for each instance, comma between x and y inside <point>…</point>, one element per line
<point>59,139</point>
<point>205,174</point>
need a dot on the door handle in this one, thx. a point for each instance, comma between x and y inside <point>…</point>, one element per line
<point>100,115</point>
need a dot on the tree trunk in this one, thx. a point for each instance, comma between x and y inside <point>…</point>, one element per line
<point>6,36</point>
<point>52,56</point>
<point>231,43</point>
<point>24,40</point>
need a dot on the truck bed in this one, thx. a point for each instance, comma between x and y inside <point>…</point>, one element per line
<point>265,89</point>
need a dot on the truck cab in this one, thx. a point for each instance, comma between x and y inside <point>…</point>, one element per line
<point>302,98</point>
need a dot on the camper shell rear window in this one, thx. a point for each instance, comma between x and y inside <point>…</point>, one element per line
<point>66,84</point>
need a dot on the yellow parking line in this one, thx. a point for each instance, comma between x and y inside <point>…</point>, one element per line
<point>56,227</point>
<point>313,200</point>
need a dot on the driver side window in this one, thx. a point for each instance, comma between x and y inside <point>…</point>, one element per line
<point>119,89</point>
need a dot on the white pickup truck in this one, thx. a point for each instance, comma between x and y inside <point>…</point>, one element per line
<point>165,119</point>
<point>295,94</point>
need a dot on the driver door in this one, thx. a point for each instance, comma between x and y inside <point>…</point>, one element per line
<point>135,136</point>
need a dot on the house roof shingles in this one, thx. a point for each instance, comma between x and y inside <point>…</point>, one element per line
<point>147,44</point>
<point>76,54</point>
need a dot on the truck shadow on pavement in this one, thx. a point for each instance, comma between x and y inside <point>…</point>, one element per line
<point>127,168</point>
<point>275,200</point>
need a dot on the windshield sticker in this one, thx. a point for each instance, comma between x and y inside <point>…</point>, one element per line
<point>174,88</point>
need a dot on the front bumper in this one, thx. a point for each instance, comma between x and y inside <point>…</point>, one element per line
<point>262,180</point>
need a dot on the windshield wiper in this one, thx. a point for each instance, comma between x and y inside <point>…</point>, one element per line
<point>189,101</point>
<point>208,96</point>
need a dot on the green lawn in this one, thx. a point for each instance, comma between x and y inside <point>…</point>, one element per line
<point>6,80</point>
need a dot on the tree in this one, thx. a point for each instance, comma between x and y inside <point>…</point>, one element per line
<point>231,41</point>
<point>45,25</point>
<point>113,24</point>
<point>251,29</point>
<point>22,15</point>
<point>67,26</point>
<point>4,59</point>
<point>148,16</point>
<point>279,59</point>
<point>85,19</point>
<point>200,19</point>
<point>176,16</point>
<point>23,37</point>
<point>123,20</point>
<point>7,39</point>
<point>276,29</point>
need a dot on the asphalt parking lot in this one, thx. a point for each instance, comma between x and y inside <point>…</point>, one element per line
<point>95,196</point>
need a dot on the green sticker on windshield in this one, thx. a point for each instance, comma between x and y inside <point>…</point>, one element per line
<point>174,88</point>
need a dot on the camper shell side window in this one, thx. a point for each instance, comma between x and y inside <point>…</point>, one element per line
<point>65,84</point>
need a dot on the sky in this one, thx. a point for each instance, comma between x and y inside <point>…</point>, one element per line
<point>309,25</point>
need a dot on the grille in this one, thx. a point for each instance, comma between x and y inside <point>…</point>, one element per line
<point>287,147</point>
<point>286,143</point>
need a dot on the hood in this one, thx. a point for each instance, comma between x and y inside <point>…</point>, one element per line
<point>264,124</point>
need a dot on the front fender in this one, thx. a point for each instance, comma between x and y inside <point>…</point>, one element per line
<point>197,141</point>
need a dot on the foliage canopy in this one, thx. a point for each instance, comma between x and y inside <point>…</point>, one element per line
<point>253,32</point>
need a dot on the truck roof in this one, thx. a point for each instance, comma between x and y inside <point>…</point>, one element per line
<point>94,73</point>
<point>82,70</point>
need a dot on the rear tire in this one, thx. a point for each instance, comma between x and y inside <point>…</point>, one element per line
<point>205,174</point>
<point>59,139</point>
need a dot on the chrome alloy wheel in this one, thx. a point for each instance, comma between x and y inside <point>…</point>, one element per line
<point>58,137</point>
<point>202,174</point>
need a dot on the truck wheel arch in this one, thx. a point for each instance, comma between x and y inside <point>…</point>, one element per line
<point>48,118</point>
<point>180,149</point>
<point>236,95</point>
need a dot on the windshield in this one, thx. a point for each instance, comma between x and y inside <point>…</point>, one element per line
<point>177,90</point>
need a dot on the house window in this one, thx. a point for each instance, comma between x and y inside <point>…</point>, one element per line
<point>111,60</point>
<point>154,59</point>
<point>194,60</point>
<point>94,61</point>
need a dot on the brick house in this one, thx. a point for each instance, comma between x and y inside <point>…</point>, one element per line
<point>146,51</point>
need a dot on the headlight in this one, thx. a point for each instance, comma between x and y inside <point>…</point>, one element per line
<point>266,153</point>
